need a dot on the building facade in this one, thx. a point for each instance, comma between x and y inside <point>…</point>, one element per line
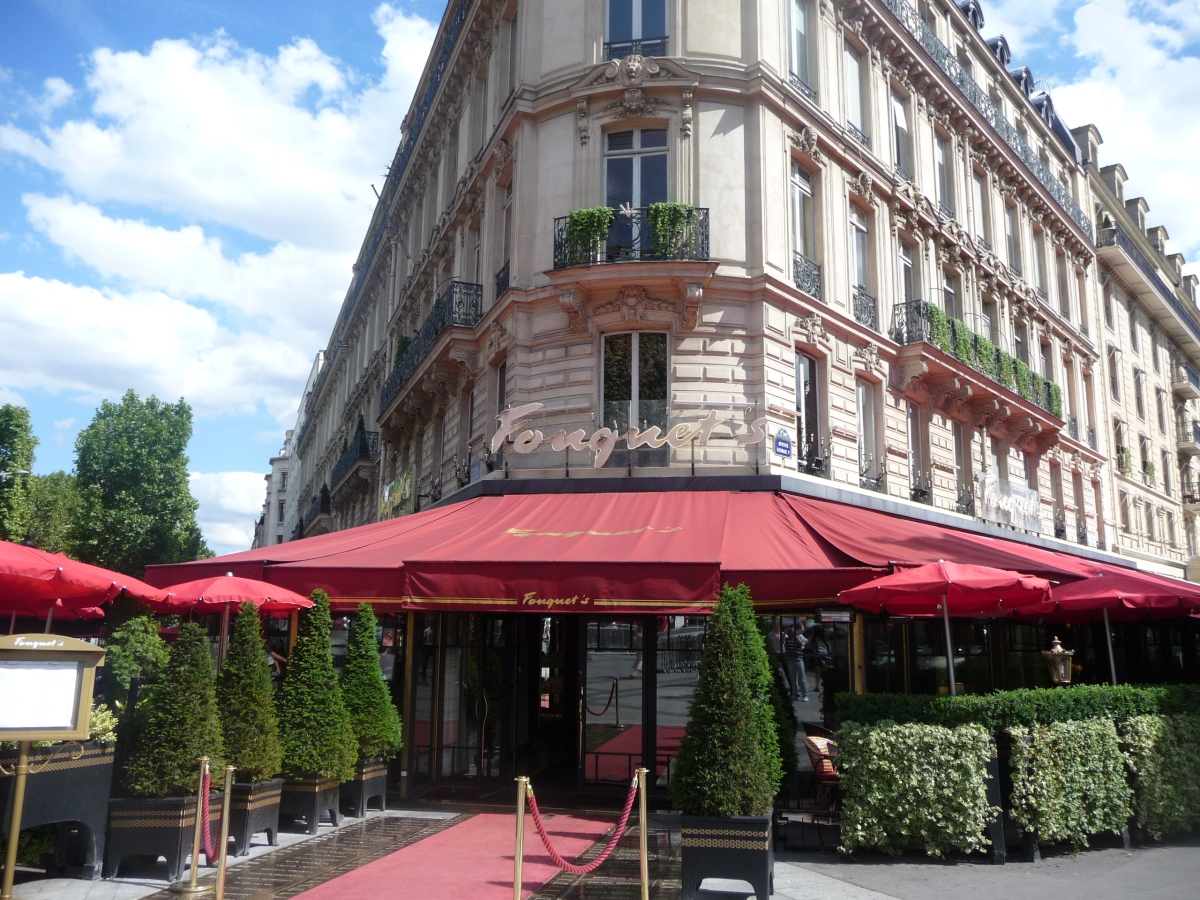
<point>271,527</point>
<point>850,229</point>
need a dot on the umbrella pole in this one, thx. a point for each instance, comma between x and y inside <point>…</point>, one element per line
<point>12,623</point>
<point>49,618</point>
<point>221,646</point>
<point>1112,662</point>
<point>949,645</point>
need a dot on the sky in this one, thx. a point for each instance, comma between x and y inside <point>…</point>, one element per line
<point>184,185</point>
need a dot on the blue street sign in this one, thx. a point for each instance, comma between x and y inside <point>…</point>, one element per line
<point>783,444</point>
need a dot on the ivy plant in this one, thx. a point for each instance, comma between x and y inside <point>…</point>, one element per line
<point>963,342</point>
<point>1006,369</point>
<point>670,232</point>
<point>904,785</point>
<point>1022,378</point>
<point>986,353</point>
<point>587,232</point>
<point>1163,753</point>
<point>939,327</point>
<point>1056,403</point>
<point>1037,393</point>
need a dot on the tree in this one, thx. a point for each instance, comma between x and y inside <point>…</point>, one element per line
<point>134,649</point>
<point>314,727</point>
<point>245,699</point>
<point>17,444</point>
<point>723,767</point>
<point>177,723</point>
<point>136,508</point>
<point>53,504</point>
<point>374,719</point>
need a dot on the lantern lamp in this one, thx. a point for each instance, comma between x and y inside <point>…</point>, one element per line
<point>1058,661</point>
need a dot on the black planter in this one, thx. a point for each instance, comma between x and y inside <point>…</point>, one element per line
<point>154,827</point>
<point>370,782</point>
<point>65,790</point>
<point>738,847</point>
<point>254,808</point>
<point>309,798</point>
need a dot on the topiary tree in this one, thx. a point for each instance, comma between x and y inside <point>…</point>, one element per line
<point>758,667</point>
<point>133,650</point>
<point>374,719</point>
<point>247,703</point>
<point>723,767</point>
<point>177,723</point>
<point>314,727</point>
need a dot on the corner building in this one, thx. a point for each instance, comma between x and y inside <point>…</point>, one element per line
<point>848,232</point>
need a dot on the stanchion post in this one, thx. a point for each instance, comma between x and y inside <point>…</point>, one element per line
<point>643,849</point>
<point>519,846</point>
<point>617,692</point>
<point>223,849</point>
<point>14,826</point>
<point>191,887</point>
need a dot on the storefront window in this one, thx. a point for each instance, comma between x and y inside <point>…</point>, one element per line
<point>460,696</point>
<point>635,392</point>
<point>612,712</point>
<point>425,670</point>
<point>678,646</point>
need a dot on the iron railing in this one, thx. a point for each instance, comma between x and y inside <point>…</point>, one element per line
<point>1060,525</point>
<point>655,46</point>
<point>1186,373</point>
<point>630,238</point>
<point>802,86</point>
<point>1081,533</point>
<point>1189,432</point>
<point>866,308</point>
<point>965,503</point>
<point>1091,437</point>
<point>858,134</point>
<point>460,305</point>
<point>815,459</point>
<point>910,323</point>
<point>806,275</point>
<point>502,279</point>
<point>1116,237</point>
<point>1073,427</point>
<point>908,16</point>
<point>364,445</point>
<point>1190,492</point>
<point>320,505</point>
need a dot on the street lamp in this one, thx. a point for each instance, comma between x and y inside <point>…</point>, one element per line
<point>4,476</point>
<point>1058,661</point>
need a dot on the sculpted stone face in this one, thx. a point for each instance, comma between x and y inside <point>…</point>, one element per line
<point>604,440</point>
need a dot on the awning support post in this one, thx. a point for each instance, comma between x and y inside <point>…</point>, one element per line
<point>1112,662</point>
<point>949,646</point>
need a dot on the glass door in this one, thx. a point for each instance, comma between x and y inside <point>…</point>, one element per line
<point>612,700</point>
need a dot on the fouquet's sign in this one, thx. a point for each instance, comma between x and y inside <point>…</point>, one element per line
<point>1006,503</point>
<point>603,441</point>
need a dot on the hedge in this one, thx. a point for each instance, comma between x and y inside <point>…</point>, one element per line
<point>1163,754</point>
<point>1024,707</point>
<point>909,784</point>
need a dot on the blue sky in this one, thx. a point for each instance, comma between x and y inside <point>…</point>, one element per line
<point>184,185</point>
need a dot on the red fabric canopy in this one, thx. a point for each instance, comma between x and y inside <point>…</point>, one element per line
<point>1127,596</point>
<point>31,581</point>
<point>215,593</point>
<point>966,590</point>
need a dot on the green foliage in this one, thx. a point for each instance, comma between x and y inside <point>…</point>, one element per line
<point>986,356</point>
<point>373,717</point>
<point>244,696</point>
<point>670,234</point>
<point>907,784</point>
<point>785,721</point>
<point>1069,780</point>
<point>587,233</point>
<point>177,723</point>
<point>102,727</point>
<point>1037,393</point>
<point>17,444</point>
<point>1123,463</point>
<point>939,327</point>
<point>53,507</point>
<point>1022,379</point>
<point>402,345</point>
<point>1024,707</point>
<point>722,768</point>
<point>135,506</point>
<point>1163,754</point>
<point>962,342</point>
<point>758,666</point>
<point>1148,469</point>
<point>132,650</point>
<point>1006,369</point>
<point>314,727</point>
<point>1056,406</point>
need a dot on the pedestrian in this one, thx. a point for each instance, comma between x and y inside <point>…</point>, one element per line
<point>775,638</point>
<point>794,643</point>
<point>817,653</point>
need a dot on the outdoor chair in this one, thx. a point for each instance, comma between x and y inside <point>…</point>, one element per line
<point>821,753</point>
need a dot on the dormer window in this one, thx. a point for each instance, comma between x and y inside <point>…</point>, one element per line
<point>636,27</point>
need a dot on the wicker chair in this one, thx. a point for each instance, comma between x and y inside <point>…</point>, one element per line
<point>821,753</point>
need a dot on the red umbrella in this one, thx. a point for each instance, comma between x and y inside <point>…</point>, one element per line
<point>946,589</point>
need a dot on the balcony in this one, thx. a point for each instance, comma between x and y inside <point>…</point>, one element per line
<point>1118,249</point>
<point>318,518</point>
<point>502,280</point>
<point>802,86</point>
<point>1185,382</point>
<point>460,306</point>
<point>363,448</point>
<point>1091,437</point>
<point>1073,427</point>
<point>656,46</point>
<point>806,275</point>
<point>661,231</point>
<point>1191,496</point>
<point>1189,437</point>
<point>866,308</point>
<point>858,134</point>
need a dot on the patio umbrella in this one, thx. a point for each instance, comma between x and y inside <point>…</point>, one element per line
<point>222,592</point>
<point>946,589</point>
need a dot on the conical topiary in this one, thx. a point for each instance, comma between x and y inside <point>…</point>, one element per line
<point>177,723</point>
<point>758,667</point>
<point>314,727</point>
<point>723,767</point>
<point>247,704</point>
<point>374,719</point>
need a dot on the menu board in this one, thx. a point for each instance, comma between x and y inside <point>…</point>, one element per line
<point>38,693</point>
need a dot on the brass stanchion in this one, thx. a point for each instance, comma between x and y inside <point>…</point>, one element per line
<point>223,849</point>
<point>190,887</point>
<point>519,848</point>
<point>643,849</point>
<point>617,692</point>
<point>14,826</point>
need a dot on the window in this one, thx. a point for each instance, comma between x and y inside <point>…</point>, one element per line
<point>513,53</point>
<point>989,320</point>
<point>1114,375</point>
<point>283,480</point>
<point>979,200</point>
<point>941,160</point>
<point>501,387</point>
<point>807,408</point>
<point>860,247</point>
<point>1133,330</point>
<point>865,391</point>
<point>1139,393</point>
<point>917,477</point>
<point>1161,410</point>
<point>1021,342</point>
<point>998,458</point>
<point>1011,238</point>
<point>962,457</point>
<point>1166,473</point>
<point>1064,295</point>
<point>802,213</point>
<point>854,89</point>
<point>1047,363</point>
<point>900,131</point>
<point>1031,470</point>
<point>635,380</point>
<point>1154,349</point>
<point>508,224</point>
<point>950,293</point>
<point>1123,502</point>
<point>637,26</point>
<point>908,289</point>
<point>798,51</point>
<point>1039,250</point>
<point>483,111</point>
<point>282,508</point>
<point>1150,522</point>
<point>635,176</point>
<point>1170,535</point>
<point>1108,304</point>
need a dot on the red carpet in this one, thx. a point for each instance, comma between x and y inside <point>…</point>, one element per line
<point>471,861</point>
<point>616,759</point>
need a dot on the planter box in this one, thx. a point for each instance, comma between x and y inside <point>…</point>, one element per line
<point>62,789</point>
<point>154,827</point>
<point>738,847</point>
<point>254,808</point>
<point>308,798</point>
<point>370,782</point>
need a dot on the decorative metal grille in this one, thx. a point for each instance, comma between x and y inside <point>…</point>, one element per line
<point>364,445</point>
<point>656,46</point>
<point>866,308</point>
<point>807,275</point>
<point>630,240</point>
<point>460,305</point>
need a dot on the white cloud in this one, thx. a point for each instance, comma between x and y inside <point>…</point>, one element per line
<point>61,428</point>
<point>230,503</point>
<point>57,93</point>
<point>1024,23</point>
<point>11,396</point>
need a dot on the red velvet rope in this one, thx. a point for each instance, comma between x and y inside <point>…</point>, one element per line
<point>612,841</point>
<point>205,817</point>
<point>612,691</point>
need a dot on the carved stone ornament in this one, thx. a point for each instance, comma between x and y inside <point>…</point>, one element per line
<point>498,341</point>
<point>632,302</point>
<point>505,153</point>
<point>810,330</point>
<point>572,304</point>
<point>693,296</point>
<point>467,358</point>
<point>636,102</point>
<point>868,358</point>
<point>862,185</point>
<point>581,115</point>
<point>805,142</point>
<point>685,119</point>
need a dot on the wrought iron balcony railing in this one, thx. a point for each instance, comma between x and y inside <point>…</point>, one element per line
<point>460,305</point>
<point>866,308</point>
<point>802,86</point>
<point>1189,431</point>
<point>1185,374</point>
<point>1073,427</point>
<point>806,275</point>
<point>1081,533</point>
<point>1091,437</point>
<point>630,238</point>
<point>502,279</point>
<point>1116,237</point>
<point>910,323</point>
<point>364,445</point>
<point>858,134</point>
<point>655,46</point>
<point>320,505</point>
